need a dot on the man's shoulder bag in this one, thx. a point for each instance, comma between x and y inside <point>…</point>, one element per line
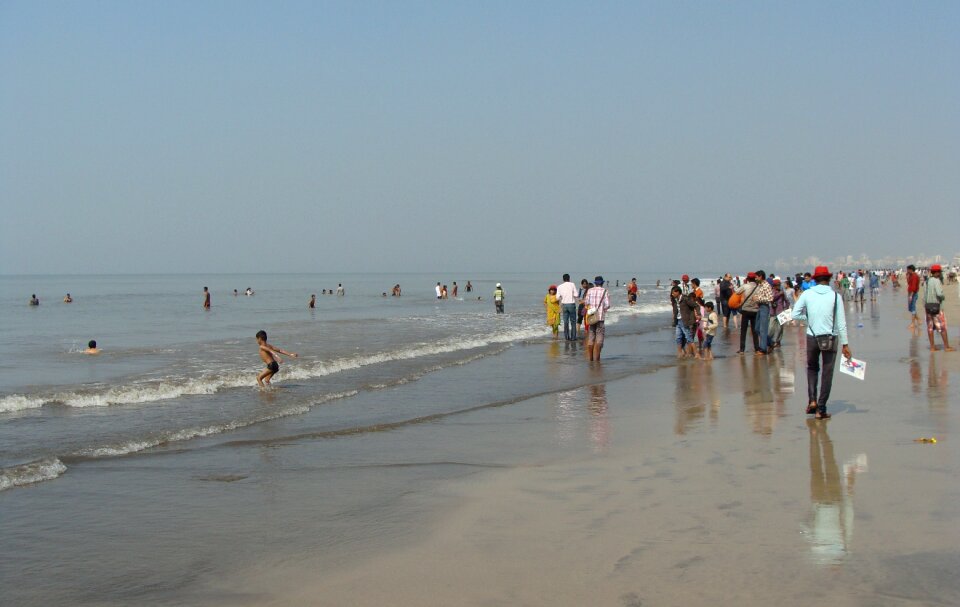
<point>828,342</point>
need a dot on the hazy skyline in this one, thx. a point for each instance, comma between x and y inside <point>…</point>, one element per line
<point>472,137</point>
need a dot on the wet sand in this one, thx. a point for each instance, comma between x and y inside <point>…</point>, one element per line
<point>700,484</point>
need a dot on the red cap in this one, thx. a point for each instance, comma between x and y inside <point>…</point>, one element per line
<point>821,271</point>
<point>685,277</point>
<point>936,268</point>
<point>751,274</point>
<point>552,288</point>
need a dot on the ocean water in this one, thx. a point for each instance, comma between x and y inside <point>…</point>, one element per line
<point>175,376</point>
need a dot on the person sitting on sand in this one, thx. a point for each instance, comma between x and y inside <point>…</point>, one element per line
<point>270,355</point>
<point>92,347</point>
<point>67,299</point>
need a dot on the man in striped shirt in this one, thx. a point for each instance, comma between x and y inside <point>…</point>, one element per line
<point>598,300</point>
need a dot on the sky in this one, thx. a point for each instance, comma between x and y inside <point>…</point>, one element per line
<point>173,137</point>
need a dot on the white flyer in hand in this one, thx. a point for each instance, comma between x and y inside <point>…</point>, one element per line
<point>853,367</point>
<point>785,316</point>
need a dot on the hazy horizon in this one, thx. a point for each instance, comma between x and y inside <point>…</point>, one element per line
<point>219,137</point>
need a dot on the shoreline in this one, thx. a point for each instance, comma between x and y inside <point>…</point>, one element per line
<point>729,495</point>
<point>693,482</point>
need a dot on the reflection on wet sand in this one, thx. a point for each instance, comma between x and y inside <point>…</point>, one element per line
<point>599,420</point>
<point>938,380</point>
<point>937,385</point>
<point>688,400</point>
<point>570,410</point>
<point>758,394</point>
<point>830,530</point>
<point>916,374</point>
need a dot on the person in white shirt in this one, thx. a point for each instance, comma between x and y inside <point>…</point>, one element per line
<point>439,290</point>
<point>567,294</point>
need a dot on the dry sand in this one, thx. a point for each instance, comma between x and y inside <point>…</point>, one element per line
<point>707,486</point>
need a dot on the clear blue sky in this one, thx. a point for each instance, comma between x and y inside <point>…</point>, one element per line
<point>473,136</point>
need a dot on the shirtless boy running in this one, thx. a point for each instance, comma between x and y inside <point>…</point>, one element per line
<point>270,355</point>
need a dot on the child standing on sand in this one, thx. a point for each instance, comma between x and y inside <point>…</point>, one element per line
<point>270,356</point>
<point>552,304</point>
<point>713,321</point>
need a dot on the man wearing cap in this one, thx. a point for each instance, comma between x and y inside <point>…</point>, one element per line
<point>597,301</point>
<point>498,298</point>
<point>822,308</point>
<point>685,287</point>
<point>567,294</point>
<point>932,302</point>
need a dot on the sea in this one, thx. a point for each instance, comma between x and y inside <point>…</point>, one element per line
<point>106,461</point>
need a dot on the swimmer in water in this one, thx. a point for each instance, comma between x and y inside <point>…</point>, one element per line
<point>68,299</point>
<point>270,356</point>
<point>92,348</point>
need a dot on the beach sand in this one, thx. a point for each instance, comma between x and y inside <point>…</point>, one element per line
<point>700,484</point>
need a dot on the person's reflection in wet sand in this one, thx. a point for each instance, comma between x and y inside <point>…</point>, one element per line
<point>937,389</point>
<point>757,395</point>
<point>784,380</point>
<point>565,415</point>
<point>711,394</point>
<point>687,400</point>
<point>916,374</point>
<point>830,530</point>
<point>599,420</point>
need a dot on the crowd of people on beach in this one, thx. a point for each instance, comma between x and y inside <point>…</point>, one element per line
<point>760,305</point>
<point>757,305</point>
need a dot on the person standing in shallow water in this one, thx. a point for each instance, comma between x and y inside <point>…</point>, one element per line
<point>567,293</point>
<point>597,301</point>
<point>498,297</point>
<point>552,305</point>
<point>270,355</point>
<point>822,308</point>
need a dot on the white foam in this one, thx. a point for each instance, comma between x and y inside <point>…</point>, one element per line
<point>19,402</point>
<point>153,391</point>
<point>185,434</point>
<point>33,472</point>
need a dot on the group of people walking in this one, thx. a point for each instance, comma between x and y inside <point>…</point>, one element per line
<point>573,306</point>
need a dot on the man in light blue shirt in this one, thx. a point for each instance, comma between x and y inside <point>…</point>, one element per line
<point>822,308</point>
